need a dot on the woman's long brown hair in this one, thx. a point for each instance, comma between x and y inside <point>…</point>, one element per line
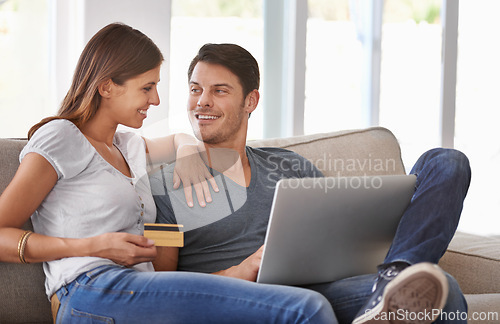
<point>117,52</point>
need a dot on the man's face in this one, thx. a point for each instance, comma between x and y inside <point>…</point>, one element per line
<point>216,107</point>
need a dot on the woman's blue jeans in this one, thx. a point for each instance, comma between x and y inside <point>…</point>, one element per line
<point>425,230</point>
<point>114,294</point>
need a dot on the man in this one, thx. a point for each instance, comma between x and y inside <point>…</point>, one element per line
<point>225,238</point>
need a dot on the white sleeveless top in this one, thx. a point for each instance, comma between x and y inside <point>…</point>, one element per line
<point>91,197</point>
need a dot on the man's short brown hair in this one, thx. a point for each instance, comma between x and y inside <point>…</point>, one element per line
<point>233,57</point>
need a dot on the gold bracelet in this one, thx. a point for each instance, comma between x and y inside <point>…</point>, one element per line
<point>22,245</point>
<point>25,237</point>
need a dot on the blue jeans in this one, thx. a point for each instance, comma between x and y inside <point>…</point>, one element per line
<point>114,294</point>
<point>424,232</point>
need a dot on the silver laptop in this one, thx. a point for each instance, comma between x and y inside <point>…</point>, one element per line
<point>325,229</point>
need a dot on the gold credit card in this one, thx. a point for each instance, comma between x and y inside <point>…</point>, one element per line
<point>165,234</point>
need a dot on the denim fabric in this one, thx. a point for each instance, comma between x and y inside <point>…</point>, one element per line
<point>113,294</point>
<point>425,230</point>
<point>429,223</point>
<point>347,296</point>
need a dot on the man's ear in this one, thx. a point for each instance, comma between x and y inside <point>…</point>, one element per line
<point>252,101</point>
<point>105,88</point>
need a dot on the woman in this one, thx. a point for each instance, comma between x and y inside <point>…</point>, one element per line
<point>87,188</point>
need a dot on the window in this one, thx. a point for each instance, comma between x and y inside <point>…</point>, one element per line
<point>411,75</point>
<point>477,112</point>
<point>409,80</point>
<point>333,69</point>
<point>195,23</point>
<point>410,70</point>
<point>25,94</point>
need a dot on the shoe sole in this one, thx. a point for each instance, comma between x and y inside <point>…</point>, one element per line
<point>414,296</point>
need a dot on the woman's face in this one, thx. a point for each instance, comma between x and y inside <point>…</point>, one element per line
<point>128,104</point>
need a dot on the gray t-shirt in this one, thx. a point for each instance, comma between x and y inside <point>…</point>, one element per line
<point>234,224</point>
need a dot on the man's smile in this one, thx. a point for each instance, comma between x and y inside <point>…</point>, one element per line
<point>203,116</point>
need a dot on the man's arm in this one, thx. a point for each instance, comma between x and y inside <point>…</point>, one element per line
<point>247,270</point>
<point>167,258</point>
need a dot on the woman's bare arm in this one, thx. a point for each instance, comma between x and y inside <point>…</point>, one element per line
<point>32,182</point>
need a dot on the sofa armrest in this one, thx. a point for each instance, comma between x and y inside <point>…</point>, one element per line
<point>474,261</point>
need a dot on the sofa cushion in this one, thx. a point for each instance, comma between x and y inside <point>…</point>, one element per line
<point>474,261</point>
<point>371,151</point>
<point>22,297</point>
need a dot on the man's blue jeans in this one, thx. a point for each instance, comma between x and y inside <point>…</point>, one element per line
<point>424,232</point>
<point>114,294</point>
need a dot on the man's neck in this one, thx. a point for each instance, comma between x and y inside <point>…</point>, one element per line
<point>233,163</point>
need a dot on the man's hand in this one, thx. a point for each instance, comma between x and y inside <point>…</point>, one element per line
<point>191,170</point>
<point>247,270</point>
<point>122,248</point>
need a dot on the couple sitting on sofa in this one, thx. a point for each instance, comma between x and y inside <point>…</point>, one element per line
<point>223,81</point>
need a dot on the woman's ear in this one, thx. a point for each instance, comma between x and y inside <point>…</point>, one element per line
<point>105,88</point>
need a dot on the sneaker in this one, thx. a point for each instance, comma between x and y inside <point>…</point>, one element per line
<point>412,294</point>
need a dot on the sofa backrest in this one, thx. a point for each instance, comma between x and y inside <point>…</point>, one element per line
<point>370,151</point>
<point>22,293</point>
<point>9,159</point>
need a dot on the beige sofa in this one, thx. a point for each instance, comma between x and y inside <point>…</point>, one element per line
<point>473,260</point>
